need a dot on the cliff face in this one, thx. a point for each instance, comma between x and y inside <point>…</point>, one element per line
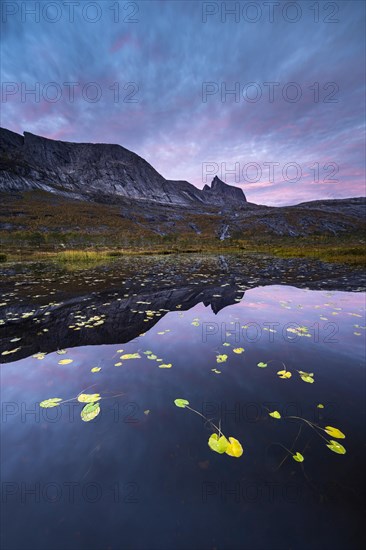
<point>96,171</point>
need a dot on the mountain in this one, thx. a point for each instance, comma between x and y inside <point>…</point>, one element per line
<point>81,194</point>
<point>98,172</point>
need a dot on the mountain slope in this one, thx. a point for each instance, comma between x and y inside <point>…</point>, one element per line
<point>97,172</point>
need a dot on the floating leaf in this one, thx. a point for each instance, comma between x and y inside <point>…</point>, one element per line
<point>10,351</point>
<point>48,403</point>
<point>39,355</point>
<point>165,366</point>
<point>320,406</point>
<point>152,357</point>
<point>336,447</point>
<point>96,369</point>
<point>334,432</point>
<point>65,361</point>
<point>61,351</point>
<point>181,403</point>
<point>119,364</point>
<point>221,358</point>
<point>275,414</point>
<point>238,350</point>
<point>216,371</point>
<point>219,445</point>
<point>298,457</point>
<point>89,397</point>
<point>131,356</point>
<point>307,376</point>
<point>147,412</point>
<point>234,448</point>
<point>284,374</point>
<point>90,411</point>
<point>195,324</point>
<point>261,365</point>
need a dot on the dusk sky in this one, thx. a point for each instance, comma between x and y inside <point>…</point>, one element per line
<point>168,50</point>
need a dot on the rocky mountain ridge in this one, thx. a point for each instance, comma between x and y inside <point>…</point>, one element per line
<point>58,187</point>
<point>97,171</point>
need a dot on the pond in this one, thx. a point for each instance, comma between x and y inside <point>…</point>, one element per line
<point>269,352</point>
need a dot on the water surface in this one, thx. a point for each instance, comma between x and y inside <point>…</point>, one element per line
<point>141,474</point>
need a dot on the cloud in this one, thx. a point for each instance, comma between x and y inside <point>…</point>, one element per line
<point>163,60</point>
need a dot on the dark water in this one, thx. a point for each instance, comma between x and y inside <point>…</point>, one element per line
<point>141,474</point>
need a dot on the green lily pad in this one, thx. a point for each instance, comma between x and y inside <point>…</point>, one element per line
<point>218,444</point>
<point>89,397</point>
<point>48,403</point>
<point>336,447</point>
<point>275,414</point>
<point>131,356</point>
<point>334,432</point>
<point>90,411</point>
<point>181,403</point>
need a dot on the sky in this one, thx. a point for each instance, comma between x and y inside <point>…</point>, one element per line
<point>156,76</point>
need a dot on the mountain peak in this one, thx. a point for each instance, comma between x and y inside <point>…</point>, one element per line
<point>224,193</point>
<point>217,183</point>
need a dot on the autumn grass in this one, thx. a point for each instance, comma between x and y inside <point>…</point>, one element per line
<point>352,254</point>
<point>80,255</point>
<point>346,251</point>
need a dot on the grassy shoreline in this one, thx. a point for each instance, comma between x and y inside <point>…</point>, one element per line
<point>334,250</point>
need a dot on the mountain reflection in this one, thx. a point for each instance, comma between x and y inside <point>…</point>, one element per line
<point>45,307</point>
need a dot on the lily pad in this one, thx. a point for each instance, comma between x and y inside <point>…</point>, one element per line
<point>218,444</point>
<point>131,356</point>
<point>89,397</point>
<point>275,414</point>
<point>298,457</point>
<point>307,376</point>
<point>65,361</point>
<point>234,448</point>
<point>181,403</point>
<point>284,374</point>
<point>90,411</point>
<point>48,403</point>
<point>336,447</point>
<point>334,432</point>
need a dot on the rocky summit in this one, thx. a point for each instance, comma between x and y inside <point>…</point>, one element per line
<point>97,172</point>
